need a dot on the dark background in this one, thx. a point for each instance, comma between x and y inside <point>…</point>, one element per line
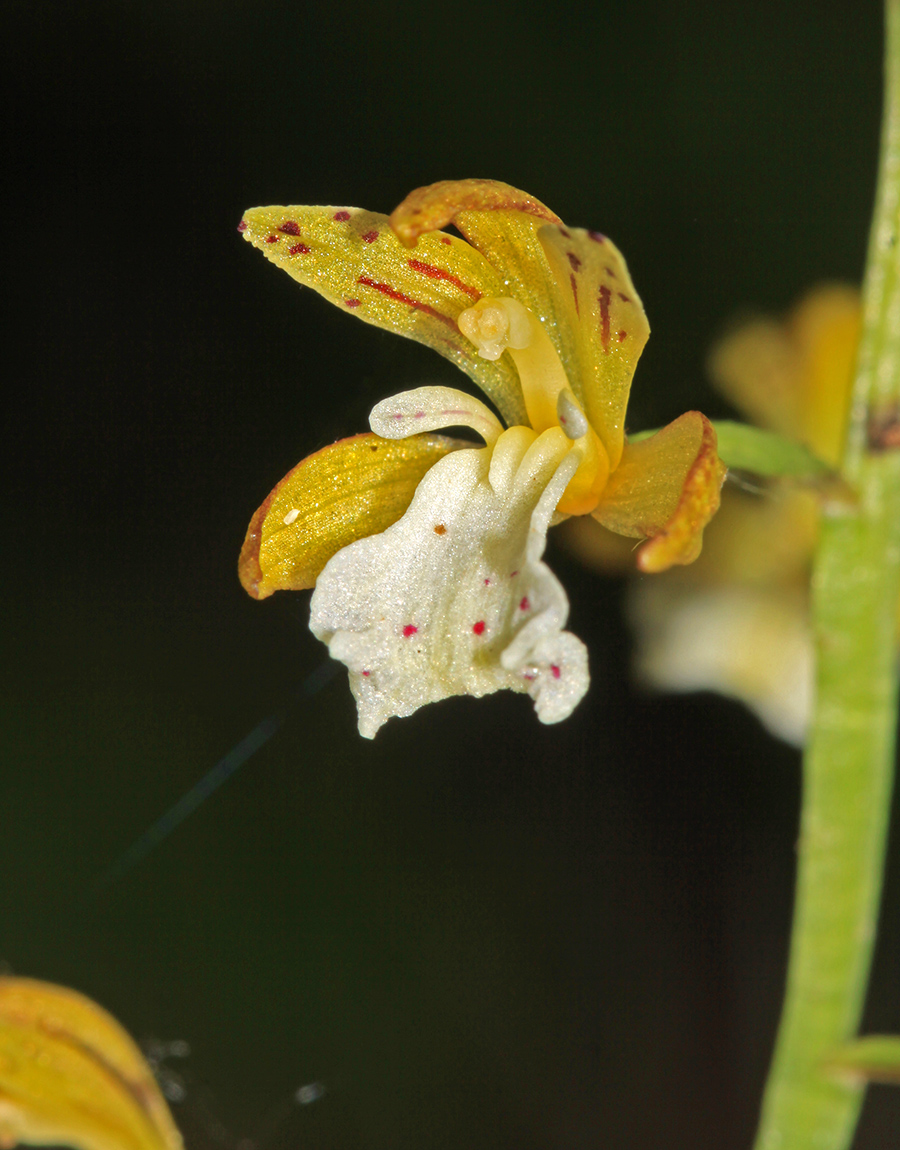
<point>476,931</point>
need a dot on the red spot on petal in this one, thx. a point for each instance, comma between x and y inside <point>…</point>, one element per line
<point>597,237</point>
<point>352,302</point>
<point>370,237</point>
<point>556,671</point>
<point>446,240</point>
<point>387,290</point>
<point>300,249</point>
<point>290,228</point>
<point>271,239</point>
<point>365,674</point>
<point>442,274</point>
<point>621,335</point>
<point>563,232</point>
<point>479,627</point>
<point>341,216</point>
<point>530,678</point>
<point>487,582</point>
<point>243,225</point>
<point>574,261</point>
<point>514,574</point>
<point>574,285</point>
<point>624,298</point>
<point>604,317</point>
<point>611,273</point>
<point>440,529</point>
<point>524,605</point>
<point>409,629</point>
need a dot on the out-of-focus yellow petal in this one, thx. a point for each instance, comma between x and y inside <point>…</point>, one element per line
<point>353,258</point>
<point>354,488</point>
<point>826,326</point>
<point>70,1075</point>
<point>606,315</point>
<point>574,280</point>
<point>666,489</point>
<point>795,377</point>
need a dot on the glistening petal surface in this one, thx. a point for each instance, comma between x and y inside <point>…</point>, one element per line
<point>608,322</point>
<point>353,258</point>
<point>666,489</point>
<point>454,598</point>
<point>575,281</point>
<point>70,1075</point>
<point>503,223</point>
<point>355,487</point>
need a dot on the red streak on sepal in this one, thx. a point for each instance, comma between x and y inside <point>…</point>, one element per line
<point>604,317</point>
<point>442,274</point>
<point>392,293</point>
<point>574,284</point>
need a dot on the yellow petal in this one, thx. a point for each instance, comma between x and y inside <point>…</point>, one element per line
<point>826,327</point>
<point>354,488</point>
<point>353,258</point>
<point>574,280</point>
<point>605,315</point>
<point>70,1075</point>
<point>666,488</point>
<point>795,376</point>
<point>503,223</point>
<point>432,207</point>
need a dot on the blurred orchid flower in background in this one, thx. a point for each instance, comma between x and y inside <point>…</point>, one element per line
<point>426,552</point>
<point>738,621</point>
<point>71,1076</point>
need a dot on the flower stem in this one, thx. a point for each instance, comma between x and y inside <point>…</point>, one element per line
<point>848,766</point>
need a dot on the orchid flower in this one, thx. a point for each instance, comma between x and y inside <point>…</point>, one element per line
<point>426,552</point>
<point>738,622</point>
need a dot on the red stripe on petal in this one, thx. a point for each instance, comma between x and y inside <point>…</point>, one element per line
<point>442,274</point>
<point>392,293</point>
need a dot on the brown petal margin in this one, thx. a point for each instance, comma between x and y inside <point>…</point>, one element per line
<point>353,488</point>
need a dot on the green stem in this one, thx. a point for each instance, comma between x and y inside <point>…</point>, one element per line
<point>848,766</point>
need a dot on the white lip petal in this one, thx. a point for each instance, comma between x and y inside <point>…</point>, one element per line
<point>454,598</point>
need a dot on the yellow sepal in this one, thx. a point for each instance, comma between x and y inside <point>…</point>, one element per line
<point>353,488</point>
<point>354,259</point>
<point>605,316</point>
<point>71,1076</point>
<point>575,281</point>
<point>666,489</point>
